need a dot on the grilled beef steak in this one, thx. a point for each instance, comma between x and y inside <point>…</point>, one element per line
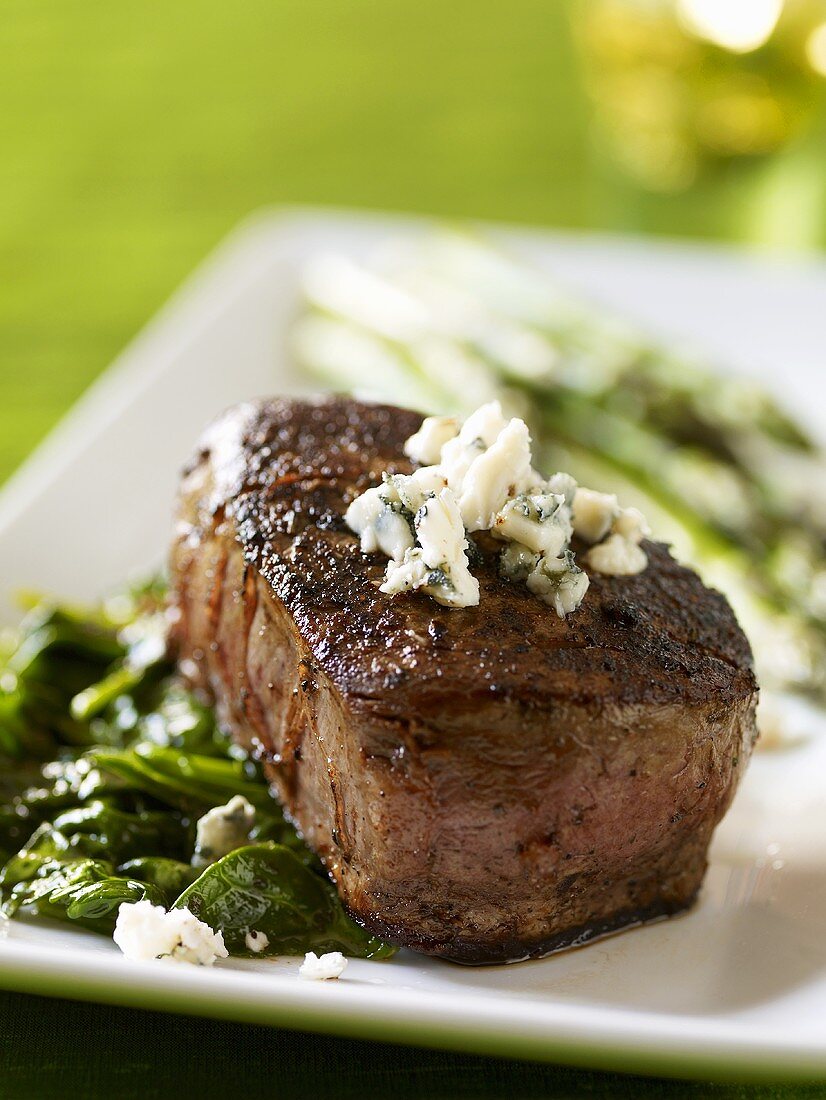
<point>484,784</point>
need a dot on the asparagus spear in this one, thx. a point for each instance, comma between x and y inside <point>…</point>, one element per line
<point>454,323</point>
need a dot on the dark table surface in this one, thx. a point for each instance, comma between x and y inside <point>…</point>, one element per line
<point>54,1048</point>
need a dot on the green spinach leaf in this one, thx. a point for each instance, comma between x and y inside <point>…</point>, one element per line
<point>170,876</point>
<point>84,891</point>
<point>266,888</point>
<point>99,830</point>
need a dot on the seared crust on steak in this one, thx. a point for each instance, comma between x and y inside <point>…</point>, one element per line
<point>484,784</point>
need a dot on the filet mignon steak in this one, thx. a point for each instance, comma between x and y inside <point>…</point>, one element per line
<point>484,784</point>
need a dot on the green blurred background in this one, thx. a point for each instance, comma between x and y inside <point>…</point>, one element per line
<point>135,134</point>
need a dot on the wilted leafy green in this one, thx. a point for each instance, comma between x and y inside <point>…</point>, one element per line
<point>133,759</point>
<point>183,779</point>
<point>85,891</point>
<point>98,829</point>
<point>169,876</point>
<point>68,677</point>
<point>265,888</point>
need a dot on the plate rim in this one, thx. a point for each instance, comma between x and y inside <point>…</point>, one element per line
<point>664,1045</point>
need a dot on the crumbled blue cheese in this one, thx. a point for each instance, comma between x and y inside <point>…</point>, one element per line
<point>425,446</point>
<point>631,525</point>
<point>479,477</point>
<point>381,525</point>
<point>383,516</point>
<point>617,556</point>
<point>516,562</point>
<point>501,471</point>
<point>145,931</point>
<point>322,968</point>
<point>479,431</point>
<point>559,582</point>
<point>615,534</point>
<point>257,942</point>
<point>411,490</point>
<point>563,485</point>
<point>593,514</point>
<point>439,564</point>
<point>539,521</point>
<point>223,829</point>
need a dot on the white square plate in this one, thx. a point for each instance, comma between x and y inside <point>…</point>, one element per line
<point>737,986</point>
